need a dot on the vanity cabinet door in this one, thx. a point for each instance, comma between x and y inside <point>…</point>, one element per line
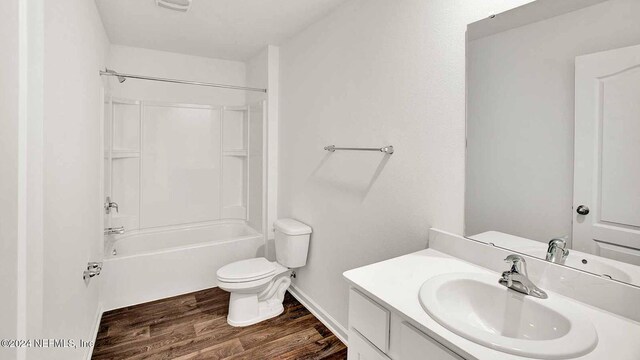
<point>369,319</point>
<point>414,345</point>
<point>361,349</point>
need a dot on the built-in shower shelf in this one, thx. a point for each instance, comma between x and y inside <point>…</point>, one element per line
<point>237,152</point>
<point>124,154</point>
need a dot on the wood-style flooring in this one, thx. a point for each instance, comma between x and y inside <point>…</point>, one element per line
<point>194,326</point>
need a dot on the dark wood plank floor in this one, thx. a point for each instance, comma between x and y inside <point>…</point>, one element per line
<point>194,326</point>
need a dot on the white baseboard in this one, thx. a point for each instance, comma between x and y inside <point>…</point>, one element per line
<point>94,331</point>
<point>338,330</point>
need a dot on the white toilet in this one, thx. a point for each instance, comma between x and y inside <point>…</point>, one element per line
<point>257,286</point>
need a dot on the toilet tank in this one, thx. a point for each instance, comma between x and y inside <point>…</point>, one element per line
<point>292,242</point>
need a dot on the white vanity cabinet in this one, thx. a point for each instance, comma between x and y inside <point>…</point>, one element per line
<point>361,349</point>
<point>376,333</point>
<point>414,344</point>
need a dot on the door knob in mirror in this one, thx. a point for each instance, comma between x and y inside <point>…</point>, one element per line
<point>582,210</point>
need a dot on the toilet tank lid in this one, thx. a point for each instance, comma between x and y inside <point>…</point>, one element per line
<point>291,227</point>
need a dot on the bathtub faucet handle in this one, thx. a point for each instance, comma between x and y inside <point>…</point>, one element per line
<point>97,265</point>
<point>93,269</point>
<point>108,205</point>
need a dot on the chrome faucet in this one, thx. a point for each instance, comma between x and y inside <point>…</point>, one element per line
<point>557,251</point>
<point>114,230</point>
<point>108,205</point>
<point>93,269</point>
<point>516,278</point>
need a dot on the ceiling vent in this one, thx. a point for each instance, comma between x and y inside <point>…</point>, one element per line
<point>177,5</point>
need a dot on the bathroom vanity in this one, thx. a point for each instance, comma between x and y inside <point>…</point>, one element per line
<point>372,326</point>
<point>390,319</point>
<point>550,266</point>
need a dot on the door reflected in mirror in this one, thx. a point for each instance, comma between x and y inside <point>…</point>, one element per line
<point>553,134</point>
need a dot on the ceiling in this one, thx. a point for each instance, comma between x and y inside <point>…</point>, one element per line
<point>225,29</point>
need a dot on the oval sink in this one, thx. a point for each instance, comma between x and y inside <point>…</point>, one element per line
<point>597,266</point>
<point>593,264</point>
<point>477,308</point>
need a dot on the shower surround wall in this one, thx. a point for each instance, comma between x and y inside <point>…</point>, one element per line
<point>176,132</point>
<point>169,164</point>
<point>186,165</point>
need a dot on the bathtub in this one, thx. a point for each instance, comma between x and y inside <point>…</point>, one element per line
<point>155,264</point>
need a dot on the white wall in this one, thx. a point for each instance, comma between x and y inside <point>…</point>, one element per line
<point>31,252</point>
<point>257,69</point>
<point>9,82</point>
<point>139,61</point>
<point>374,73</point>
<point>75,47</point>
<point>21,180</point>
<point>521,118</point>
<point>263,71</point>
<point>257,76</point>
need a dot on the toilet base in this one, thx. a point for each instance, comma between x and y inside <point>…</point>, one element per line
<point>248,309</point>
<point>244,316</point>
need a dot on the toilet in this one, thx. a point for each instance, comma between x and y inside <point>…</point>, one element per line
<point>257,286</point>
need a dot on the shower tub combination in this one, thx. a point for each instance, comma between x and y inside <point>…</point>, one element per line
<point>189,183</point>
<point>152,265</point>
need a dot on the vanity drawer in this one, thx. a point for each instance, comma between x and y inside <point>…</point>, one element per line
<point>369,319</point>
<point>360,349</point>
<point>416,345</point>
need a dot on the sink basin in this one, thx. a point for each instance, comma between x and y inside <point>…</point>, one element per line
<point>477,308</point>
<point>587,262</point>
<point>597,266</point>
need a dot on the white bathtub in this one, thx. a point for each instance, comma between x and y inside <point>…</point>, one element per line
<point>152,265</point>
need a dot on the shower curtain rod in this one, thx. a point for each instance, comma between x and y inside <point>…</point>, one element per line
<point>122,77</point>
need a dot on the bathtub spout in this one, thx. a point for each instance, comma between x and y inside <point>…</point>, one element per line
<point>114,231</point>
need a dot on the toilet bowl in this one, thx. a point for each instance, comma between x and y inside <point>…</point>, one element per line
<point>258,286</point>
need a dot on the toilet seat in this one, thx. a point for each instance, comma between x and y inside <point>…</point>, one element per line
<point>244,271</point>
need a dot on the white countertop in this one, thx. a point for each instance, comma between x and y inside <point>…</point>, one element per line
<point>395,283</point>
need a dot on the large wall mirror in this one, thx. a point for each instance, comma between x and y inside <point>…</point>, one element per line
<point>553,134</point>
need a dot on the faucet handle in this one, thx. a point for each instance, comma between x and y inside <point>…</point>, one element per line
<point>94,265</point>
<point>506,279</point>
<point>518,264</point>
<point>108,205</point>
